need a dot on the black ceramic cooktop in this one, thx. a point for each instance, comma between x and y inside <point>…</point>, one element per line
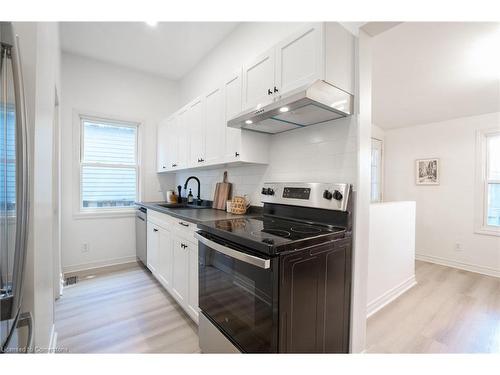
<point>268,232</point>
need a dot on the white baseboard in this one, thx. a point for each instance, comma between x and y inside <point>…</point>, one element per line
<point>460,265</point>
<point>99,264</point>
<point>390,296</point>
<point>53,340</point>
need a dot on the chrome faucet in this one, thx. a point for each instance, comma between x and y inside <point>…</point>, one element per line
<point>198,181</point>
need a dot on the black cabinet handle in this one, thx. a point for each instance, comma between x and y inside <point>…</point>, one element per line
<point>183,224</point>
<point>163,167</point>
<point>236,154</point>
<point>201,160</point>
<point>269,92</point>
<point>174,165</point>
<point>184,246</point>
<point>155,230</point>
<point>275,89</point>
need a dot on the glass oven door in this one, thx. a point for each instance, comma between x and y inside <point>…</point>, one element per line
<point>238,291</point>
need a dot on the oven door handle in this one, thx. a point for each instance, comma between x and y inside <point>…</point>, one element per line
<point>247,258</point>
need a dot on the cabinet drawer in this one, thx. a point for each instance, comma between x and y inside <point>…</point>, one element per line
<point>182,227</point>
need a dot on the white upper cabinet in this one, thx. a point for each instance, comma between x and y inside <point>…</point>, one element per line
<point>258,81</point>
<point>232,107</point>
<point>163,146</point>
<point>196,130</point>
<point>215,134</point>
<point>300,59</point>
<point>294,62</point>
<point>339,59</point>
<point>182,134</point>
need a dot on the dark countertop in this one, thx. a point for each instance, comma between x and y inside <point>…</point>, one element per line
<point>197,215</point>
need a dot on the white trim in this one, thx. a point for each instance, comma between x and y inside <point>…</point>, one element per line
<point>459,265</point>
<point>389,296</point>
<point>99,264</point>
<point>53,340</point>
<point>110,214</point>
<point>481,184</point>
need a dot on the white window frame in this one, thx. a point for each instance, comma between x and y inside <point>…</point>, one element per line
<point>80,212</point>
<point>481,189</point>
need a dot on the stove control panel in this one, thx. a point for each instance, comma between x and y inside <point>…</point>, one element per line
<point>318,195</point>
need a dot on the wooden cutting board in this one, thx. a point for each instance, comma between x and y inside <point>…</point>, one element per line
<point>222,191</point>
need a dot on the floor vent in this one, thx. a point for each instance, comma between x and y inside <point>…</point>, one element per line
<point>70,280</point>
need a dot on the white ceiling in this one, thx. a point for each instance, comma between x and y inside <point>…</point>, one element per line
<point>428,72</point>
<point>170,49</point>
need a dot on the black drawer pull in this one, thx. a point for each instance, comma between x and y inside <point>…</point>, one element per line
<point>183,224</point>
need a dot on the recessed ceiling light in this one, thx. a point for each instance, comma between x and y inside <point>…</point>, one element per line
<point>248,122</point>
<point>284,109</point>
<point>152,23</point>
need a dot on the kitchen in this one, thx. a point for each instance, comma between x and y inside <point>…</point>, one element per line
<point>227,191</point>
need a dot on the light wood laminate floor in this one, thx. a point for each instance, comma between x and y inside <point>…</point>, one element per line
<point>448,311</point>
<point>125,311</point>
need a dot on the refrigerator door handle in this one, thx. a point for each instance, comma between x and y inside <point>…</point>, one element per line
<point>26,319</point>
<point>22,176</point>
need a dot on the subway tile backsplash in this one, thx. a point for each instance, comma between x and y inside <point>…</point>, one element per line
<point>319,153</point>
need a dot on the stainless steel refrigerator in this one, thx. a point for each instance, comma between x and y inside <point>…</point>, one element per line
<point>14,193</point>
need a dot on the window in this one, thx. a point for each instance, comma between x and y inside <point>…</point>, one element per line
<point>492,185</point>
<point>376,178</point>
<point>8,159</point>
<point>108,164</point>
<point>488,183</point>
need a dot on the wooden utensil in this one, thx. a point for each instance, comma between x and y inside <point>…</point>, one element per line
<point>222,191</point>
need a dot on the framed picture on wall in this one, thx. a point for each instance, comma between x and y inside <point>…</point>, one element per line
<point>427,172</point>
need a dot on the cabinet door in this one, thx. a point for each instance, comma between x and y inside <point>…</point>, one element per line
<point>162,146</point>
<point>196,130</point>
<point>165,256</point>
<point>232,107</point>
<point>182,136</point>
<point>152,247</point>
<point>315,283</point>
<point>193,308</point>
<point>300,59</point>
<point>180,271</point>
<point>215,127</point>
<point>258,81</point>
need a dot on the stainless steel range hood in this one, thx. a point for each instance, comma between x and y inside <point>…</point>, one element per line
<point>312,104</point>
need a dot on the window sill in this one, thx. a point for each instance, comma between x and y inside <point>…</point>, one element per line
<point>111,214</point>
<point>488,231</point>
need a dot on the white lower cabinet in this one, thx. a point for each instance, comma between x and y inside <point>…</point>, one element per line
<point>172,254</point>
<point>192,304</point>
<point>152,247</point>
<point>180,271</point>
<point>165,257</point>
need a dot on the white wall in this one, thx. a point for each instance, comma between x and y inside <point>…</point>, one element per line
<point>445,213</point>
<point>378,132</point>
<point>40,53</point>
<point>103,89</point>
<point>391,261</point>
